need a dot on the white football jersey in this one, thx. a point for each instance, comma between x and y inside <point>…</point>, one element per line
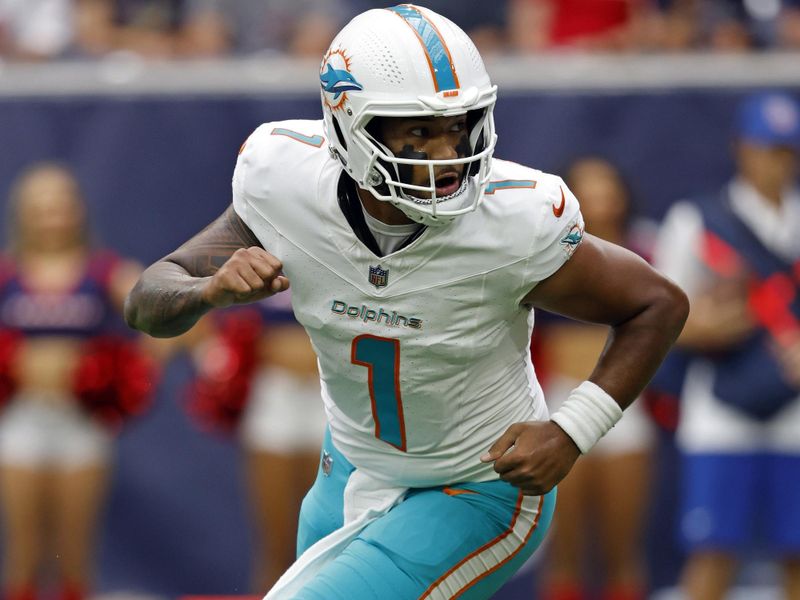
<point>423,353</point>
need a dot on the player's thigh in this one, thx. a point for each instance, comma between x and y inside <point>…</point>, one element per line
<point>322,509</point>
<point>438,543</point>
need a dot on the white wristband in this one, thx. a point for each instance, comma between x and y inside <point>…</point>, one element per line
<point>587,415</point>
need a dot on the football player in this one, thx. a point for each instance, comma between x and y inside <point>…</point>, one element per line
<point>415,260</point>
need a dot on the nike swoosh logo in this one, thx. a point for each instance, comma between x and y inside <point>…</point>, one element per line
<point>559,210</point>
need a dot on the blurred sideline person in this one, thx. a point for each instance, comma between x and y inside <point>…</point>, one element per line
<point>593,519</point>
<point>57,293</point>
<point>282,431</point>
<point>736,252</point>
<point>415,259</point>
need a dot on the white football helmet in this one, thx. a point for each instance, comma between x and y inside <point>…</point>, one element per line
<point>407,61</point>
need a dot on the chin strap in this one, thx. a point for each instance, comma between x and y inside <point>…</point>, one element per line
<point>422,218</point>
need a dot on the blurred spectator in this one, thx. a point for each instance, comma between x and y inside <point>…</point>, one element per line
<point>485,22</point>
<point>788,27</point>
<point>735,253</point>
<point>653,25</point>
<point>35,29</point>
<point>301,28</point>
<point>719,24</point>
<point>59,309</point>
<point>725,25</point>
<point>728,25</point>
<point>587,25</point>
<point>593,520</point>
<point>150,28</point>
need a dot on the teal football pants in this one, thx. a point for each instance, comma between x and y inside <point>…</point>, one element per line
<point>460,541</point>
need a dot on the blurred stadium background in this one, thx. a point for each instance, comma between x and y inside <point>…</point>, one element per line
<point>149,102</point>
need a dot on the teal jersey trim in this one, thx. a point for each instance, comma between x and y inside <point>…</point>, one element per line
<point>510,184</point>
<point>311,140</point>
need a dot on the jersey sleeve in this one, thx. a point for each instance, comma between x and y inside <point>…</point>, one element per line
<point>273,182</point>
<point>246,164</point>
<point>559,232</point>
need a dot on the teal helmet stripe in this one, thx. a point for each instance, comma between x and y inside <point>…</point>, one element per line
<point>442,69</point>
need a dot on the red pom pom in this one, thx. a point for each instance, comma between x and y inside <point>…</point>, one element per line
<point>114,380</point>
<point>664,408</point>
<point>9,344</point>
<point>217,397</point>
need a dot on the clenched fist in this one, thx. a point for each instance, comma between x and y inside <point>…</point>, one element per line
<point>533,456</point>
<point>249,275</point>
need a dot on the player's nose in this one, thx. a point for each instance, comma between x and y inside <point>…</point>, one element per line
<point>443,147</point>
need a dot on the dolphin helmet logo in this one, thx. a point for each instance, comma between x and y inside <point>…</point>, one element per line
<point>336,79</point>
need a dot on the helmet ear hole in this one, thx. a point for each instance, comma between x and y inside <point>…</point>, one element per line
<point>373,127</point>
<point>476,126</point>
<point>375,130</point>
<point>338,131</point>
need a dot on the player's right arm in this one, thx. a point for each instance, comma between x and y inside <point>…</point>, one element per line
<point>224,264</point>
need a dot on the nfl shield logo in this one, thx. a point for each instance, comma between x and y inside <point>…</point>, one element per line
<point>378,276</point>
<point>327,463</point>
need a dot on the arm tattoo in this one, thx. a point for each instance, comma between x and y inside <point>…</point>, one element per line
<point>205,253</point>
<point>166,300</point>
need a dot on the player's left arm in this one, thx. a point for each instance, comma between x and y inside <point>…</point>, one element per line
<point>605,283</point>
<point>601,283</point>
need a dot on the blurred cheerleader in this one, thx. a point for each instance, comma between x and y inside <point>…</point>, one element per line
<point>593,519</point>
<point>66,378</point>
<point>282,432</point>
<point>257,375</point>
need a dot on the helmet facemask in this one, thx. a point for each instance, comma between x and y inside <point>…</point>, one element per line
<point>390,175</point>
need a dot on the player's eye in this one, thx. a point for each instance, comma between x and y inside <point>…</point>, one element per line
<point>458,126</point>
<point>419,132</point>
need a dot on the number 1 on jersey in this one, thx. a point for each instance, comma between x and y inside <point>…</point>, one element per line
<point>381,357</point>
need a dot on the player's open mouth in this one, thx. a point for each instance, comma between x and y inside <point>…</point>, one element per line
<point>447,183</point>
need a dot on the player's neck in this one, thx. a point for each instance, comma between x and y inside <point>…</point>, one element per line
<point>385,212</point>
